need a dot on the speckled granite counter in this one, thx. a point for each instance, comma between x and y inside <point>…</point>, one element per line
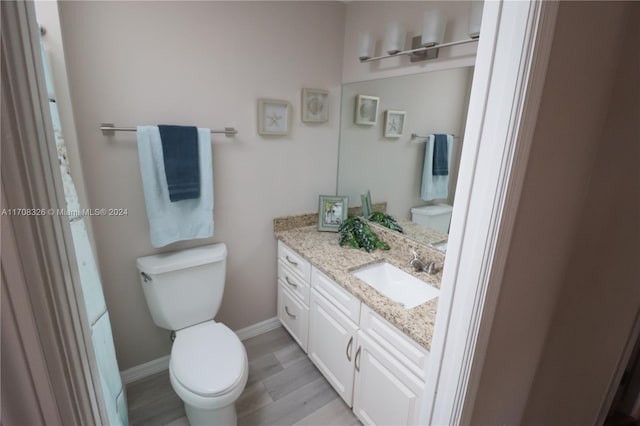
<point>323,251</point>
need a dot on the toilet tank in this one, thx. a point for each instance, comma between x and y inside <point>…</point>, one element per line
<point>184,287</point>
<point>437,216</point>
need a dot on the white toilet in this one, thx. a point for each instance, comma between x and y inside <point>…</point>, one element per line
<point>208,366</point>
<point>436,216</point>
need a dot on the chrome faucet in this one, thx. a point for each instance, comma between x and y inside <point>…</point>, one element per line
<point>420,265</point>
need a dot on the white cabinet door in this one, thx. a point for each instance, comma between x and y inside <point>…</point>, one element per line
<point>332,344</point>
<point>293,315</point>
<point>386,392</point>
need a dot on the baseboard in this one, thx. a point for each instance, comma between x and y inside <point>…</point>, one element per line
<point>145,370</point>
<point>258,329</point>
<point>160,364</point>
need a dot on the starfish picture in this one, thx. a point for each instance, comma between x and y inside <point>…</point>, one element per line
<point>274,119</point>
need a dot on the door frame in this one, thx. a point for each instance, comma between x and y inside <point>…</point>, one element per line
<point>508,79</point>
<point>58,381</point>
<point>513,54</point>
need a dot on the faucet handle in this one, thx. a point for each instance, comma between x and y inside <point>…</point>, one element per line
<point>434,267</point>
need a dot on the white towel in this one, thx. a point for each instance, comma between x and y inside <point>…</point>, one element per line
<point>183,220</point>
<point>434,187</point>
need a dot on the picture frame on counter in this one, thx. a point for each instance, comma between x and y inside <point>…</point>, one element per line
<point>332,211</point>
<point>367,207</point>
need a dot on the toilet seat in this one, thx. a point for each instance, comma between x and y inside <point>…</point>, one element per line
<point>208,360</point>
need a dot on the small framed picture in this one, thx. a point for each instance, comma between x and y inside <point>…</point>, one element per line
<point>366,110</point>
<point>367,209</point>
<point>332,212</point>
<point>394,123</point>
<point>273,117</point>
<point>315,105</point>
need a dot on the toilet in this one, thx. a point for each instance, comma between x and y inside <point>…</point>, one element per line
<point>437,216</point>
<point>208,367</point>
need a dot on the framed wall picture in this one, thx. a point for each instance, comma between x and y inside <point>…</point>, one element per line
<point>332,212</point>
<point>273,117</point>
<point>315,105</point>
<point>366,110</point>
<point>394,123</point>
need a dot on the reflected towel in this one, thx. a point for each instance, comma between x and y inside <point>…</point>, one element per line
<point>180,155</point>
<point>434,187</point>
<point>440,156</point>
<point>183,220</point>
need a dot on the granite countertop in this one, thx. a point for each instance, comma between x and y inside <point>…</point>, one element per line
<point>322,250</point>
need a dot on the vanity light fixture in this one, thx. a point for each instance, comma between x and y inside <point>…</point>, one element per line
<point>367,46</point>
<point>394,38</point>
<point>475,18</point>
<point>423,47</point>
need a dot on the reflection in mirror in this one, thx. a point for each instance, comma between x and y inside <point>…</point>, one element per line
<point>392,167</point>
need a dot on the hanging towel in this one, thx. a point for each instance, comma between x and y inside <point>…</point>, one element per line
<point>180,154</point>
<point>440,156</point>
<point>434,187</point>
<point>183,220</point>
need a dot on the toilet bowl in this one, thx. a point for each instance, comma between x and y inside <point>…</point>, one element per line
<point>208,370</point>
<point>208,366</point>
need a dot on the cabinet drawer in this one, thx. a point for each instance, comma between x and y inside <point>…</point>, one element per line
<point>346,302</point>
<point>293,315</point>
<point>293,282</point>
<point>410,354</point>
<point>296,262</point>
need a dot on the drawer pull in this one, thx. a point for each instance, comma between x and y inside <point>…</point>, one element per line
<point>357,361</point>
<point>286,309</point>
<point>349,348</point>
<point>294,263</point>
<point>294,285</point>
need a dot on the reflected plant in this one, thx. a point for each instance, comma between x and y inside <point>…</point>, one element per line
<point>386,221</point>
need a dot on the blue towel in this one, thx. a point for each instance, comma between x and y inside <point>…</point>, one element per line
<point>182,220</point>
<point>440,156</point>
<point>180,154</point>
<point>434,187</point>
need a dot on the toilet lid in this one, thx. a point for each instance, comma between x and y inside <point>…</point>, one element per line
<point>208,359</point>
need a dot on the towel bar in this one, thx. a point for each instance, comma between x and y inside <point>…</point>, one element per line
<point>417,136</point>
<point>109,129</point>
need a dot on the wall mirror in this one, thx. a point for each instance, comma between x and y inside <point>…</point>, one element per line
<point>392,167</point>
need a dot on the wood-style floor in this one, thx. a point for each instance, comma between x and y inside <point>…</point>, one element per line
<point>284,388</point>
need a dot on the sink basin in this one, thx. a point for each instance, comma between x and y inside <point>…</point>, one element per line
<point>397,285</point>
<point>440,246</point>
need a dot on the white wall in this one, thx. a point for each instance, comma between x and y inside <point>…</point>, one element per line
<point>371,16</point>
<point>601,292</point>
<point>203,63</point>
<point>548,231</point>
<point>435,102</point>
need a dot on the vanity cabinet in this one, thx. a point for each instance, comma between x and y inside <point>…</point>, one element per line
<point>294,273</point>
<point>390,372</point>
<point>333,333</point>
<point>374,367</point>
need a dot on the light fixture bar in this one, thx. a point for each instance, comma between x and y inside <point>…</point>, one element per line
<point>421,49</point>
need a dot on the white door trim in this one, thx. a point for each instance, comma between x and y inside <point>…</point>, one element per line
<point>509,76</point>
<point>42,282</point>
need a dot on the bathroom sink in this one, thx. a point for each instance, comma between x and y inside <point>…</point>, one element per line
<point>440,245</point>
<point>397,285</point>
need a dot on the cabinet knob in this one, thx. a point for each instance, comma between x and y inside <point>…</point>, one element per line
<point>293,262</point>
<point>357,361</point>
<point>294,285</point>
<point>286,309</point>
